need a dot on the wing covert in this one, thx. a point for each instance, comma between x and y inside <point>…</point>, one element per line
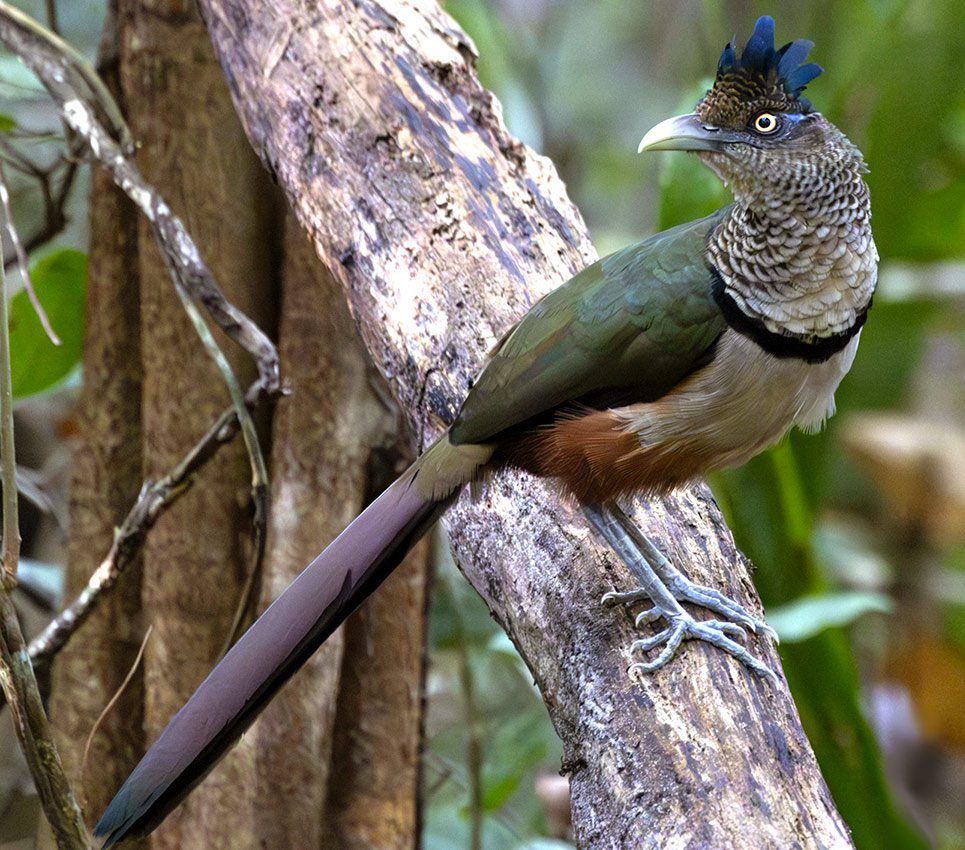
<point>627,328</point>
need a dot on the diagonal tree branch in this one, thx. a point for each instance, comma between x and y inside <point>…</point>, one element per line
<point>442,230</point>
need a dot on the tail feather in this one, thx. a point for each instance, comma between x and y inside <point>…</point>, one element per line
<point>268,654</point>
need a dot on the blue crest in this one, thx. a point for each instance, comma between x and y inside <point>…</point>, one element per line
<point>759,58</point>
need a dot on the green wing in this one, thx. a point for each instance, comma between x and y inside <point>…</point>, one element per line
<point>626,329</point>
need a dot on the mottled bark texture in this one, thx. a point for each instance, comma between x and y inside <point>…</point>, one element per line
<point>442,230</point>
<point>106,479</point>
<point>192,149</point>
<point>324,435</point>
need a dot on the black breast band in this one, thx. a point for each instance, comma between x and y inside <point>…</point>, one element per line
<point>809,349</point>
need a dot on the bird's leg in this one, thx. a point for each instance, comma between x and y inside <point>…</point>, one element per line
<point>682,588</point>
<point>681,625</point>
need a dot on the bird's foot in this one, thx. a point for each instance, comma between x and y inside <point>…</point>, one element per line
<point>684,590</point>
<point>682,626</point>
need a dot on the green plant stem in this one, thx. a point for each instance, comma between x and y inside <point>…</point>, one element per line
<point>10,550</point>
<point>16,673</point>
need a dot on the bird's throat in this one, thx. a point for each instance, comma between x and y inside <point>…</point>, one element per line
<point>795,256</point>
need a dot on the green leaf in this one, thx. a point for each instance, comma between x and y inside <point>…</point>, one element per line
<point>810,615</point>
<point>60,280</point>
<point>6,123</point>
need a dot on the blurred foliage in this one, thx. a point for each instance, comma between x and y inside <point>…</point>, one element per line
<point>36,363</point>
<point>808,616</point>
<point>487,730</point>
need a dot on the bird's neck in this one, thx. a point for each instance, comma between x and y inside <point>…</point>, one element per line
<point>795,255</point>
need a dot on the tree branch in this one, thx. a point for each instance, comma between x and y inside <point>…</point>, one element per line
<point>55,199</point>
<point>83,98</point>
<point>443,230</point>
<point>17,679</point>
<point>155,498</point>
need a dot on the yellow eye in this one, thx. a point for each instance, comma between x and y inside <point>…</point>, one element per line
<point>765,123</point>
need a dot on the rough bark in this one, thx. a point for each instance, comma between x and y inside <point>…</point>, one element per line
<point>442,229</point>
<point>377,740</point>
<point>191,147</point>
<point>106,480</point>
<point>324,435</point>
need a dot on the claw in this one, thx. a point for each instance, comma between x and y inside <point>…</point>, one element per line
<point>648,643</point>
<point>727,628</point>
<point>684,627</point>
<point>614,597</point>
<point>651,615</point>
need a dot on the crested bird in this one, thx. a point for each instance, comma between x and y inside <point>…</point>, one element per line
<point>690,351</point>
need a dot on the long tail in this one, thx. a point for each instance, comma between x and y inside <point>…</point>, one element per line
<point>275,647</point>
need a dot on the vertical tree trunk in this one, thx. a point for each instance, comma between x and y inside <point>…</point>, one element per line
<point>325,435</point>
<point>193,150</point>
<point>106,479</point>
<point>335,442</point>
<point>375,804</point>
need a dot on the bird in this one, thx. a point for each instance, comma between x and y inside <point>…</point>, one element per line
<point>688,352</point>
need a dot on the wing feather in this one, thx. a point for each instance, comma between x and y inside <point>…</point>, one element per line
<point>626,329</point>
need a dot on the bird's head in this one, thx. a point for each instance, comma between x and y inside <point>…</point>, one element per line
<point>753,127</point>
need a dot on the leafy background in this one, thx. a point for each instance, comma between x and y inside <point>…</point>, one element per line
<point>858,532</point>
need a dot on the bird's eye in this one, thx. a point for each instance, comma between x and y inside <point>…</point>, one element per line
<point>765,123</point>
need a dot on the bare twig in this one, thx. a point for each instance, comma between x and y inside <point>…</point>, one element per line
<point>55,199</point>
<point>52,16</point>
<point>70,81</point>
<point>259,536</point>
<point>154,499</point>
<point>65,64</point>
<point>22,260</point>
<point>10,548</point>
<point>113,700</point>
<point>44,54</point>
<point>16,673</point>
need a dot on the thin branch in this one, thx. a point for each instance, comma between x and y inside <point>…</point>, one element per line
<point>113,700</point>
<point>16,673</point>
<point>154,499</point>
<point>52,22</point>
<point>55,201</point>
<point>20,162</point>
<point>66,66</point>
<point>10,547</point>
<point>69,80</point>
<point>259,536</point>
<point>22,261</point>
<point>67,76</point>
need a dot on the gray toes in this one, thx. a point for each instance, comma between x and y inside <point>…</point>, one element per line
<point>719,633</point>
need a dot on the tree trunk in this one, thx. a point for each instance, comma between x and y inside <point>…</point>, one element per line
<point>442,230</point>
<point>333,439</point>
<point>324,435</point>
<point>105,482</point>
<point>195,562</point>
